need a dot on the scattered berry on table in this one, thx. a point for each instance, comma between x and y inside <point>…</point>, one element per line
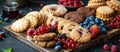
<point>114,48</point>
<point>106,47</point>
<point>6,19</point>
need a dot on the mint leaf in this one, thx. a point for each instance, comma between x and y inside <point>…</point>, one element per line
<point>7,50</point>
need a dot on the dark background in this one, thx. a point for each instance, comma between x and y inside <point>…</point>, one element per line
<point>18,46</point>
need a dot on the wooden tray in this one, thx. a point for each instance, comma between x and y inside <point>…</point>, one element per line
<point>101,38</point>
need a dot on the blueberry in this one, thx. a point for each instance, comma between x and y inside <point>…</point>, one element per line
<point>97,20</point>
<point>63,36</point>
<point>52,29</point>
<point>92,22</point>
<point>85,22</point>
<point>91,18</point>
<point>6,19</point>
<point>104,30</point>
<point>58,48</point>
<point>1,21</point>
<point>88,27</point>
<point>59,43</point>
<point>102,24</point>
<point>85,26</point>
<point>81,24</point>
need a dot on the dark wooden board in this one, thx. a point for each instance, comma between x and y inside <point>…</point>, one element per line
<point>101,38</point>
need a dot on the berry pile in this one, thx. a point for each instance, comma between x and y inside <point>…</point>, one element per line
<point>114,48</point>
<point>73,3</point>
<point>91,20</point>
<point>3,19</point>
<point>115,23</point>
<point>42,29</point>
<point>65,43</point>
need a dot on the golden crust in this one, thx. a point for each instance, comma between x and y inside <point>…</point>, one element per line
<point>20,25</point>
<point>113,6</point>
<point>46,44</point>
<point>33,21</point>
<point>105,10</point>
<point>96,1</point>
<point>44,37</point>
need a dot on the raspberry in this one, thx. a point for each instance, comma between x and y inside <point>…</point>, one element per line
<point>65,4</point>
<point>30,31</point>
<point>106,47</point>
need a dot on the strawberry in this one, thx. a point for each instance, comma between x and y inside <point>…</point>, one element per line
<point>95,31</point>
<point>106,47</point>
<point>114,48</point>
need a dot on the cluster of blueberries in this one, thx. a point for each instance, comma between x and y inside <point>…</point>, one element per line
<point>91,20</point>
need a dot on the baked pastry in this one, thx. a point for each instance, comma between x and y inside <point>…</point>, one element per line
<point>114,4</point>
<point>44,37</point>
<point>20,25</point>
<point>61,25</point>
<point>56,10</point>
<point>46,44</point>
<point>95,3</point>
<point>33,21</point>
<point>105,13</point>
<point>53,20</point>
<point>86,11</point>
<point>80,34</point>
<point>43,18</point>
<point>69,27</point>
<point>74,16</point>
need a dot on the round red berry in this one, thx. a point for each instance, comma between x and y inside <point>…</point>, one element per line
<point>106,47</point>
<point>114,48</point>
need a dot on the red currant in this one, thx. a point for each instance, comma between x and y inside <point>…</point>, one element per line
<point>73,45</point>
<point>65,46</point>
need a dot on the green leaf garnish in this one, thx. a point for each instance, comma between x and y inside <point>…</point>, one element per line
<point>7,50</point>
